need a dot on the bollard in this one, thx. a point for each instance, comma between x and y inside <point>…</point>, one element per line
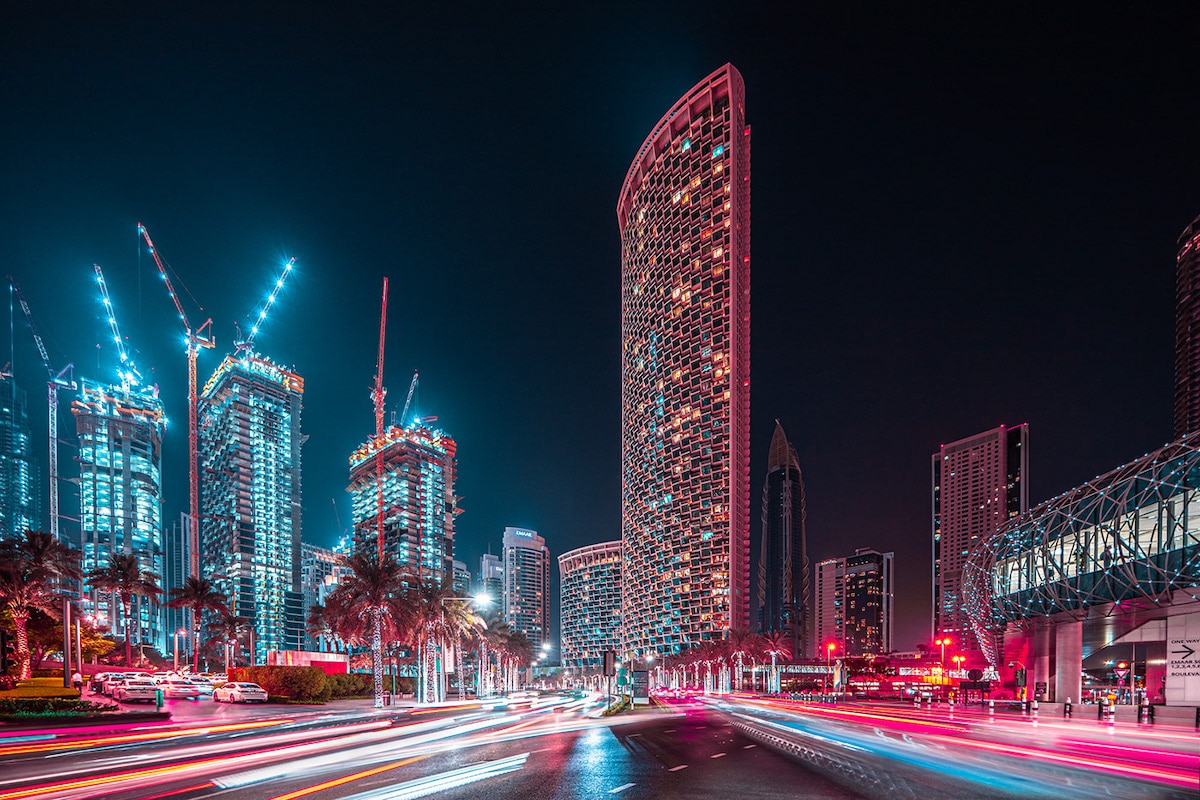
<point>158,699</point>
<point>1100,712</point>
<point>1147,715</point>
<point>1067,708</point>
<point>1110,713</point>
<point>1025,708</point>
<point>917,704</point>
<point>1033,707</point>
<point>991,708</point>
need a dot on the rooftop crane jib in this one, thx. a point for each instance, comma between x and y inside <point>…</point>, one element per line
<point>262,315</point>
<point>128,371</point>
<point>58,379</point>
<point>377,396</point>
<point>195,339</point>
<point>412,387</point>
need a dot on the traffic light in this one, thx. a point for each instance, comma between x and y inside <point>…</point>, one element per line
<point>610,663</point>
<point>1019,677</point>
<point>7,656</point>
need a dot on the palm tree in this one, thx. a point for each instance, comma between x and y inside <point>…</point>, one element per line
<point>463,625</point>
<point>30,568</point>
<point>375,591</point>
<point>123,576</point>
<point>778,645</point>
<point>200,595</point>
<point>741,643</point>
<point>492,638</point>
<point>226,628</point>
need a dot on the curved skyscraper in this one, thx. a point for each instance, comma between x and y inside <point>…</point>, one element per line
<point>589,604</point>
<point>1187,331</point>
<point>684,218</point>
<point>783,561</point>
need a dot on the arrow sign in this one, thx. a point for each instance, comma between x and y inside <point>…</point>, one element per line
<point>1186,651</point>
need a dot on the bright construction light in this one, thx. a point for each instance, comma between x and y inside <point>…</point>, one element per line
<point>483,599</point>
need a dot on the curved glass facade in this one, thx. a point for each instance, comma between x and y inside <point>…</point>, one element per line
<point>684,217</point>
<point>590,598</point>
<point>1133,533</point>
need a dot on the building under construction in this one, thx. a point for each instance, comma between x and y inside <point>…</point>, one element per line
<point>250,494</point>
<point>20,506</point>
<point>120,430</point>
<point>414,490</point>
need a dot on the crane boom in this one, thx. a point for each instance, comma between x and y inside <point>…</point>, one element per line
<point>412,387</point>
<point>262,315</point>
<point>195,339</point>
<point>37,337</point>
<point>377,395</point>
<point>128,371</point>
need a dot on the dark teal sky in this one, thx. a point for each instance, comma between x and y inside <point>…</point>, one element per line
<point>958,221</point>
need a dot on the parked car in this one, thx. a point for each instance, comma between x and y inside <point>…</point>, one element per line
<point>239,692</point>
<point>111,679</point>
<point>136,689</point>
<point>203,685</point>
<point>174,687</point>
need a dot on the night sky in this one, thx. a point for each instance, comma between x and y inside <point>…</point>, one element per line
<point>958,221</point>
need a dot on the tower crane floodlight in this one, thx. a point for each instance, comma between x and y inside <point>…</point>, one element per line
<point>194,338</point>
<point>262,315</point>
<point>127,371</point>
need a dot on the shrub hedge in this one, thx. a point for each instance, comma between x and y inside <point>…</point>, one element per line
<point>38,706</point>
<point>311,684</point>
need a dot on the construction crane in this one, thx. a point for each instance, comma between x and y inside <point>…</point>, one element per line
<point>58,379</point>
<point>239,346</point>
<point>195,339</point>
<point>128,372</point>
<point>378,393</point>
<point>412,387</point>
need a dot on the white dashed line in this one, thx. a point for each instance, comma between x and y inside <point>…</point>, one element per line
<point>717,755</point>
<point>748,746</point>
<point>670,731</point>
<point>620,789</point>
<point>676,769</point>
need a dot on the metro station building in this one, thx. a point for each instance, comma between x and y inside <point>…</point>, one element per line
<point>1106,570</point>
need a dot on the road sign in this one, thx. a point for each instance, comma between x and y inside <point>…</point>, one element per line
<point>1121,674</point>
<point>1183,657</point>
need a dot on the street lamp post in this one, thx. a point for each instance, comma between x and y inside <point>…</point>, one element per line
<point>178,633</point>
<point>943,641</point>
<point>827,681</point>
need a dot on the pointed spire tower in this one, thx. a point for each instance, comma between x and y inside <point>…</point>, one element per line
<point>783,588</point>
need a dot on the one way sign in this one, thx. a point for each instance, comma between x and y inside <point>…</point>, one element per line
<point>1183,657</point>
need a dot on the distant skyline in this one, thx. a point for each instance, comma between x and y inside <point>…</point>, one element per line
<point>960,220</point>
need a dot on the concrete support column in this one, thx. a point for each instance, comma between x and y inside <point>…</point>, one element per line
<point>1155,670</point>
<point>1040,671</point>
<point>1068,656</point>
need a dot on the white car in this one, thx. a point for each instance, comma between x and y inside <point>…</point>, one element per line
<point>136,689</point>
<point>174,687</point>
<point>203,686</point>
<point>239,692</point>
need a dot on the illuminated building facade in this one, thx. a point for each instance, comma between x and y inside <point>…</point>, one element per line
<point>589,604</point>
<point>1107,571</point>
<point>419,471</point>
<point>250,496</point>
<point>320,571</point>
<point>527,585</point>
<point>783,588</point>
<point>979,484</point>
<point>854,601</point>
<point>684,219</point>
<point>20,486</point>
<point>491,577</point>
<point>177,560</point>
<point>120,430</point>
<point>462,579</point>
<point>1187,331</point>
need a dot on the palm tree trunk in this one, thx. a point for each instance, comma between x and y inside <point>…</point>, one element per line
<point>377,653</point>
<point>21,624</point>
<point>196,640</point>
<point>127,607</point>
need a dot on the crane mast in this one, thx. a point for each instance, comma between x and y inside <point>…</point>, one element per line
<point>195,338</point>
<point>60,379</point>
<point>377,396</point>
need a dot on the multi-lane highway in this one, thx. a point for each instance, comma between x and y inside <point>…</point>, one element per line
<point>557,747</point>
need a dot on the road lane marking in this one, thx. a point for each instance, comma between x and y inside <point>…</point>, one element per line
<point>676,769</point>
<point>748,746</point>
<point>717,755</point>
<point>670,731</point>
<point>620,789</point>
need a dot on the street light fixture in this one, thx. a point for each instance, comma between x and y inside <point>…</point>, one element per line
<point>958,661</point>
<point>178,633</point>
<point>827,680</point>
<point>945,640</point>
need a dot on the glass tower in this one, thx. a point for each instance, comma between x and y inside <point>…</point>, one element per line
<point>527,585</point>
<point>250,496</point>
<point>1187,331</point>
<point>589,604</point>
<point>783,581</point>
<point>684,219</point>
<point>20,498</point>
<point>120,430</point>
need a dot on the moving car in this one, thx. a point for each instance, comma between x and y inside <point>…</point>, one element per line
<point>240,692</point>
<point>174,687</point>
<point>136,689</point>
<point>203,685</point>
<point>109,680</point>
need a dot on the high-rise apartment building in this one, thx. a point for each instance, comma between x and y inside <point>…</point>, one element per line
<point>1187,331</point>
<point>684,219</point>
<point>979,483</point>
<point>491,578</point>
<point>320,571</point>
<point>527,584</point>
<point>120,430</point>
<point>462,579</point>
<point>783,587</point>
<point>854,602</point>
<point>20,486</point>
<point>419,470</point>
<point>250,495</point>
<point>177,561</point>
<point>589,604</point>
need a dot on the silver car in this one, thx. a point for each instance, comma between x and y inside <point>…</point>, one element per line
<point>240,692</point>
<point>136,689</point>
